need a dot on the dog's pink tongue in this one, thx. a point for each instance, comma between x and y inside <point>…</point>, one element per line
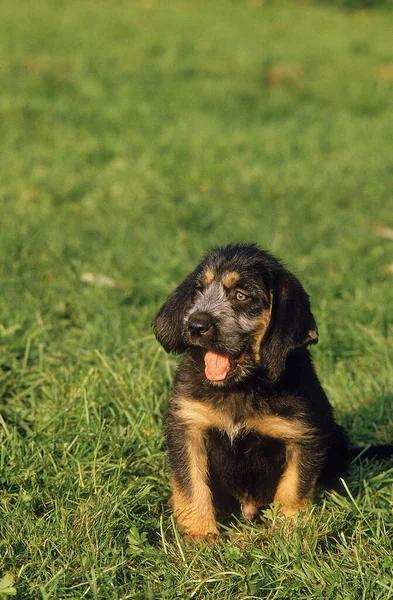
<point>216,366</point>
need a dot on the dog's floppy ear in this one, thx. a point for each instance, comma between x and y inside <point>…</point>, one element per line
<point>292,324</point>
<point>169,323</point>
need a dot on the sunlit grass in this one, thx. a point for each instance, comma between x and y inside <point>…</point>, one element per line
<point>134,137</point>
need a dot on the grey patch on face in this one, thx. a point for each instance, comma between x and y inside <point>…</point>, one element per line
<point>213,301</point>
<point>229,334</point>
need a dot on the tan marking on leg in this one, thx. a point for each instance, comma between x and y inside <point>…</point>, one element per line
<point>261,329</point>
<point>291,432</point>
<point>195,521</point>
<point>288,430</point>
<point>195,514</point>
<point>230,278</point>
<point>287,493</point>
<point>208,277</point>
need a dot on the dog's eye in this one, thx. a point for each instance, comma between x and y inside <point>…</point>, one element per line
<point>240,297</point>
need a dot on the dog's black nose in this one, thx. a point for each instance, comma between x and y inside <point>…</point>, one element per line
<point>199,324</point>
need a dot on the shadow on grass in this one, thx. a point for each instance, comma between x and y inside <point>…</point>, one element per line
<point>361,4</point>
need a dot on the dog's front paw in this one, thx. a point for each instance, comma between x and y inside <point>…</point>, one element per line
<point>197,530</point>
<point>201,536</point>
<point>293,510</point>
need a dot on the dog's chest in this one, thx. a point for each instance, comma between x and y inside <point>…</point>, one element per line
<point>234,430</point>
<point>232,421</point>
<point>236,415</point>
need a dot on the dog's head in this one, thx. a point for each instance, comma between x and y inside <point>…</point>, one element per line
<point>243,309</point>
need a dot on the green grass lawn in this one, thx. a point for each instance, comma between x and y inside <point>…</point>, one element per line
<point>134,137</point>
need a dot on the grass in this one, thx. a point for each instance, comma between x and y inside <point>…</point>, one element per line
<point>135,136</point>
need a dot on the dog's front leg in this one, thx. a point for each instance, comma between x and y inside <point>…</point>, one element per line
<point>305,454</point>
<point>297,484</point>
<point>191,500</point>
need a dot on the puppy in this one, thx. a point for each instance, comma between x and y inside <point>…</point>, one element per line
<point>248,422</point>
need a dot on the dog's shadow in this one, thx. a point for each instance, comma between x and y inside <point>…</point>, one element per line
<point>369,423</point>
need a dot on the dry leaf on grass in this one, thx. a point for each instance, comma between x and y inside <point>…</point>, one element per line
<point>385,232</point>
<point>100,280</point>
<point>283,74</point>
<point>385,72</point>
<point>389,268</point>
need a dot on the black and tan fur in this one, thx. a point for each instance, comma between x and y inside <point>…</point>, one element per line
<point>266,433</point>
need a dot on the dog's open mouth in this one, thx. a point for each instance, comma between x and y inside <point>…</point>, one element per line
<point>217,366</point>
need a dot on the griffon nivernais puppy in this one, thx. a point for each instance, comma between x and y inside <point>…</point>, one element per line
<point>248,423</point>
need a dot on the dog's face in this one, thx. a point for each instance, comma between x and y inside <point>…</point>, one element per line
<point>243,309</point>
